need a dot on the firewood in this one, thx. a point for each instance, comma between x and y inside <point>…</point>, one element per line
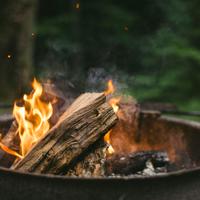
<point>5,123</point>
<point>10,140</point>
<point>83,123</point>
<point>8,125</point>
<point>125,164</point>
<point>90,163</point>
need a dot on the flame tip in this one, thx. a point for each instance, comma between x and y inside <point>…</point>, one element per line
<point>110,88</point>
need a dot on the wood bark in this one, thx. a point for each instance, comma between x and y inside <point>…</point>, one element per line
<point>90,163</point>
<point>83,123</point>
<point>10,140</point>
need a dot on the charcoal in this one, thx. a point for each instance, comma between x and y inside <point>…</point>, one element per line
<point>126,164</point>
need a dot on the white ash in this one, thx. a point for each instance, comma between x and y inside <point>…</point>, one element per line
<point>149,170</point>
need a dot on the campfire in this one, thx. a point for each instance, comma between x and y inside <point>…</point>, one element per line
<point>97,135</point>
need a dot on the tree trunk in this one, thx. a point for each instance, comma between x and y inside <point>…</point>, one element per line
<point>16,41</point>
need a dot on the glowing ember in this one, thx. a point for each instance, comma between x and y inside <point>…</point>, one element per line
<point>32,119</point>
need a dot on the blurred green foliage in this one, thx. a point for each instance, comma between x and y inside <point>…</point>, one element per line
<point>153,46</point>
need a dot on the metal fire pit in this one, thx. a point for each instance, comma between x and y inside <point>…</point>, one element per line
<point>182,184</point>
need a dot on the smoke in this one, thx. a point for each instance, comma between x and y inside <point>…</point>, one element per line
<point>97,79</point>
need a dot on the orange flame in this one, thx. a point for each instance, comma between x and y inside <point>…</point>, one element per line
<point>10,151</point>
<point>110,149</point>
<point>114,103</point>
<point>110,89</point>
<point>32,119</point>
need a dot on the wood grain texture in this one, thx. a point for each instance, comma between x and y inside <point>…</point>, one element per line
<point>90,163</point>
<point>83,123</point>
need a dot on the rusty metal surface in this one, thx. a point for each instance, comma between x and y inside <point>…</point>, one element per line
<point>183,184</point>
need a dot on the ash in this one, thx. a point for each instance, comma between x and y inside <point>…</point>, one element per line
<point>148,171</point>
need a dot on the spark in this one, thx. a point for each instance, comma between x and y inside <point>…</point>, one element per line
<point>126,28</point>
<point>77,5</point>
<point>9,56</point>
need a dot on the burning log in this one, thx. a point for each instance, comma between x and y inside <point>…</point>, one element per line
<point>11,141</point>
<point>83,123</point>
<point>9,131</point>
<point>5,123</point>
<point>125,164</point>
<point>10,144</point>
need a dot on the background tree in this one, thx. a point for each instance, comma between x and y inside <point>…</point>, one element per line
<point>16,40</point>
<point>150,48</point>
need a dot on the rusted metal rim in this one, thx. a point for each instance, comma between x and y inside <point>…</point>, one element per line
<point>179,121</point>
<point>125,178</point>
<point>195,170</point>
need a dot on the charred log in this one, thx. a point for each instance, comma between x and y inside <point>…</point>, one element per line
<point>83,123</point>
<point>90,163</point>
<point>5,123</point>
<point>125,164</point>
<point>10,140</point>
